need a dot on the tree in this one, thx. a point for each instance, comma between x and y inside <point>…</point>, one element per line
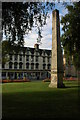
<point>71,37</point>
<point>8,48</point>
<point>19,18</point>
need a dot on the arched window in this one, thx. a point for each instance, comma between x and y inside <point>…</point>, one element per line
<point>48,59</point>
<point>20,57</point>
<point>27,58</point>
<point>37,58</point>
<point>27,65</point>
<point>15,57</point>
<point>15,65</point>
<point>32,58</point>
<point>32,65</point>
<point>37,65</point>
<point>43,59</point>
<point>44,66</point>
<point>49,66</point>
<point>11,57</point>
<point>20,65</point>
<point>10,65</point>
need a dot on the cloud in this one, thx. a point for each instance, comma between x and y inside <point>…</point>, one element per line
<point>31,39</point>
<point>46,32</point>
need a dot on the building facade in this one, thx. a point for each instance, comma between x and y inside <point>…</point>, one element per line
<point>32,63</point>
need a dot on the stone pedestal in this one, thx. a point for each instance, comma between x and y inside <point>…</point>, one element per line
<point>57,60</point>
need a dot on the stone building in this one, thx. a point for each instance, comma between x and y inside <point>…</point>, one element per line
<point>33,63</point>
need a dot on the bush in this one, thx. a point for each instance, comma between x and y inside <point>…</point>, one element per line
<point>7,81</point>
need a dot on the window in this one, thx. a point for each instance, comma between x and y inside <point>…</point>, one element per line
<point>27,58</point>
<point>10,65</point>
<point>15,57</point>
<point>32,52</point>
<point>36,58</point>
<point>43,52</point>
<point>32,58</point>
<point>50,54</point>
<point>37,66</point>
<point>27,52</point>
<point>20,65</point>
<point>44,66</point>
<point>10,57</point>
<point>32,66</point>
<point>43,59</point>
<point>48,59</point>
<point>36,52</point>
<point>49,66</point>
<point>20,58</point>
<point>15,65</point>
<point>27,65</point>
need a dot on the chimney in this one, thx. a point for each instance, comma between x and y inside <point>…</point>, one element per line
<point>36,46</point>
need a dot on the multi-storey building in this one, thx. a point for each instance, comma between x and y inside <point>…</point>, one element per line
<point>33,63</point>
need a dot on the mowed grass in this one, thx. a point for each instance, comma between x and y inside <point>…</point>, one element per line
<point>35,100</point>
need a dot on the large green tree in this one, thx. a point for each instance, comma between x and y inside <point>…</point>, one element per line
<point>71,35</point>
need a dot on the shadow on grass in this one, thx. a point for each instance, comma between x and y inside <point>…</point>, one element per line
<point>72,86</point>
<point>35,105</point>
<point>35,101</point>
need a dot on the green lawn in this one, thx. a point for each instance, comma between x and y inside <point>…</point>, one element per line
<point>36,100</point>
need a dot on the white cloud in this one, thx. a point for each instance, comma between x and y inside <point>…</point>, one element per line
<point>47,31</point>
<point>31,39</point>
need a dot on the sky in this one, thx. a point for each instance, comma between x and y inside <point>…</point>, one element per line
<point>46,41</point>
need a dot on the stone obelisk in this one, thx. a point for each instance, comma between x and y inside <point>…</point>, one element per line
<point>56,60</point>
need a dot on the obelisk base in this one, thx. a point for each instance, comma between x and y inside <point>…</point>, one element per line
<point>53,83</point>
<point>56,81</point>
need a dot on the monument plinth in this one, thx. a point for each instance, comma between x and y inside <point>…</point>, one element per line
<point>57,59</point>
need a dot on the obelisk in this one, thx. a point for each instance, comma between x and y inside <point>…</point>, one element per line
<point>57,59</point>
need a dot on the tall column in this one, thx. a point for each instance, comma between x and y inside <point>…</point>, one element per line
<point>57,60</point>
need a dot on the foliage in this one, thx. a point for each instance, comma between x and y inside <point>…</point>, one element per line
<point>71,36</point>
<point>20,17</point>
<point>5,51</point>
<point>8,48</point>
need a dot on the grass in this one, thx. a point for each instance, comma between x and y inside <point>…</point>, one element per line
<point>34,100</point>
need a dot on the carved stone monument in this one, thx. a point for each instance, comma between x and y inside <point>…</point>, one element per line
<point>57,60</point>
